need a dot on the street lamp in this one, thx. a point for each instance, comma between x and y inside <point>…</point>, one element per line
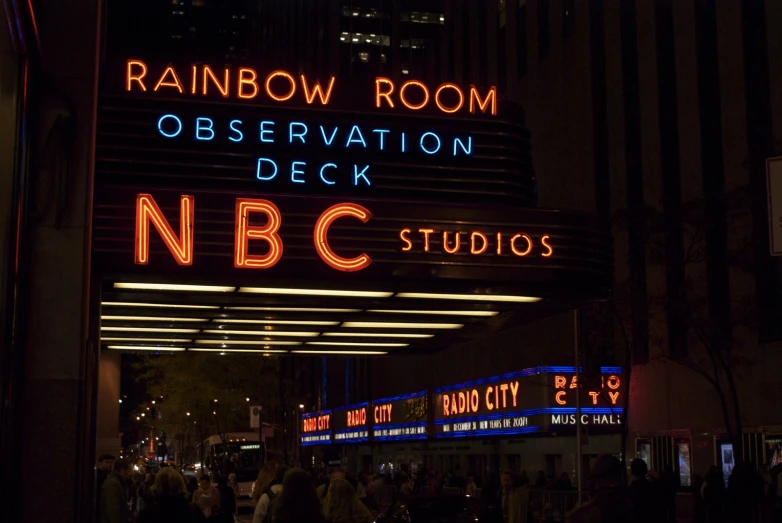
<point>301,406</point>
<point>187,413</point>
<point>247,399</point>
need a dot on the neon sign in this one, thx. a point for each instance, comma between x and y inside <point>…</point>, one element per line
<point>400,418</point>
<point>350,424</point>
<point>316,428</point>
<point>476,243</point>
<point>244,83</point>
<point>181,248</point>
<point>607,394</point>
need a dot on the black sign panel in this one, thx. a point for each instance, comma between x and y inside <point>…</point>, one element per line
<point>400,418</point>
<point>350,423</point>
<point>316,428</point>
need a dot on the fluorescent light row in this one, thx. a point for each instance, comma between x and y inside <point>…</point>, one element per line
<point>264,333</point>
<point>327,292</point>
<point>400,325</point>
<point>161,305</point>
<point>437,313</point>
<point>290,309</point>
<point>151,318</point>
<point>256,351</point>
<point>277,322</point>
<point>377,335</point>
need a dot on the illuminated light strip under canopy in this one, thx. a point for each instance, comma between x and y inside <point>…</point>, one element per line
<point>400,325</point>
<point>151,318</point>
<point>247,342</point>
<point>277,322</point>
<point>289,309</point>
<point>346,352</point>
<point>256,351</point>
<point>147,329</point>
<point>174,287</point>
<point>378,334</point>
<point>470,297</point>
<point>438,313</point>
<point>161,305</point>
<point>263,333</point>
<point>368,344</point>
<point>318,292</point>
<point>160,340</point>
<point>145,347</point>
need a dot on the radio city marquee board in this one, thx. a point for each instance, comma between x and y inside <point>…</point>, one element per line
<point>316,428</point>
<point>533,400</point>
<point>350,423</point>
<point>400,418</point>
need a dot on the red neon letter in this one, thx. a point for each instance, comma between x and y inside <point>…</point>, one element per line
<point>426,233</point>
<point>546,245</point>
<point>317,90</point>
<point>244,72</point>
<point>408,104</point>
<point>387,94</point>
<point>595,396</point>
<point>485,245</point>
<point>174,82</point>
<point>181,248</point>
<point>280,98</point>
<point>560,382</point>
<point>130,77</point>
<point>513,245</point>
<point>455,248</point>
<point>491,96</point>
<point>403,236</point>
<point>558,397</point>
<point>321,240</point>
<point>246,232</point>
<point>208,73</point>
<point>440,105</point>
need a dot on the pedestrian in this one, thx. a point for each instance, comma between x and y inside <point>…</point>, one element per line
<point>227,507</point>
<point>471,489</point>
<point>270,494</point>
<point>265,479</point>
<point>608,501</point>
<point>669,484</point>
<point>643,494</point>
<point>699,510</point>
<point>523,479</point>
<point>323,490</point>
<point>114,495</point>
<point>745,494</point>
<point>298,502</point>
<point>207,498</point>
<point>507,482</point>
<point>540,481</point>
<point>563,483</point>
<point>192,486</point>
<point>342,504</point>
<point>144,493</point>
<point>713,492</point>
<point>103,470</point>
<point>169,502</point>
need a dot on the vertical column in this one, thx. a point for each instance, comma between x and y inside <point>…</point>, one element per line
<point>109,375</point>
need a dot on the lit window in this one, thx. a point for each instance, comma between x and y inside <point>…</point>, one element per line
<point>355,13</point>
<point>382,58</point>
<point>363,56</point>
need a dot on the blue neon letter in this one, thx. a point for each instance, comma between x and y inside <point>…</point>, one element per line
<point>160,126</point>
<point>467,150</point>
<point>328,141</point>
<point>236,130</point>
<point>292,135</point>
<point>382,133</point>
<point>208,129</point>
<point>265,131</point>
<point>423,137</point>
<point>322,177</point>
<point>295,171</point>
<point>360,138</point>
<point>404,143</point>
<point>362,174</point>
<point>259,173</point>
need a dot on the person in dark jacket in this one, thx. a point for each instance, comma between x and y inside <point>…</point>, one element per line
<point>169,503</point>
<point>609,502</point>
<point>643,494</point>
<point>298,502</point>
<point>114,495</point>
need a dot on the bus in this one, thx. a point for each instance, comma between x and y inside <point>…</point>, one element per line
<point>239,454</point>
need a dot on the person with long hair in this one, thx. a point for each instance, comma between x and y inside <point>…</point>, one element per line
<point>169,501</point>
<point>269,495</point>
<point>264,481</point>
<point>298,502</point>
<point>342,504</point>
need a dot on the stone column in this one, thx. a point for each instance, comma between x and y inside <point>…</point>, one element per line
<point>109,373</point>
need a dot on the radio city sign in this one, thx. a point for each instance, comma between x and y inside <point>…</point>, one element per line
<point>316,428</point>
<point>350,423</point>
<point>400,418</point>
